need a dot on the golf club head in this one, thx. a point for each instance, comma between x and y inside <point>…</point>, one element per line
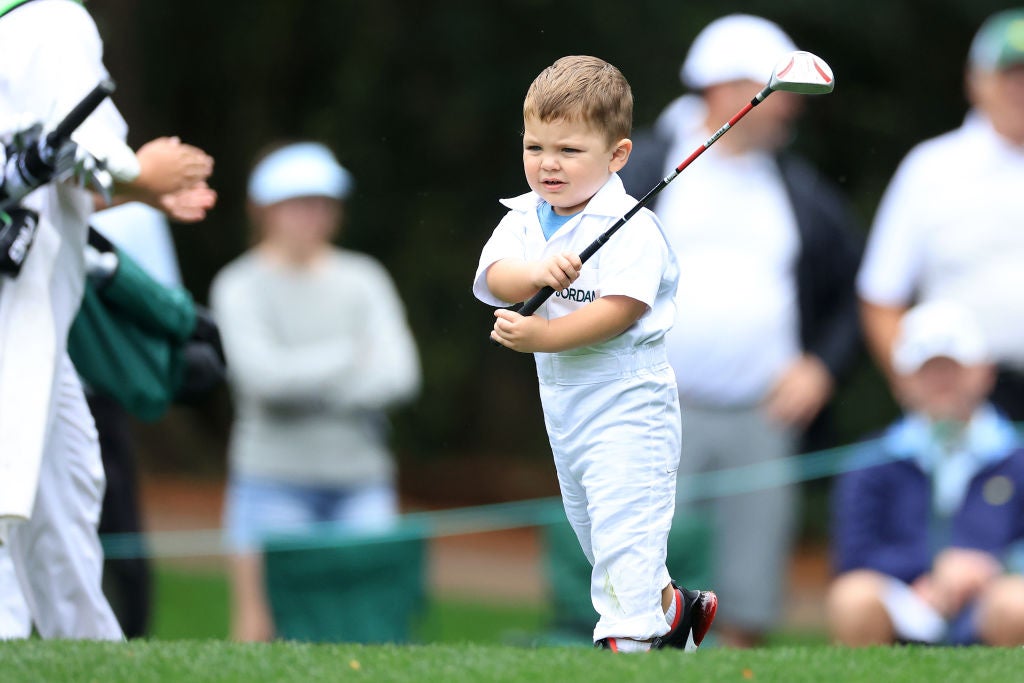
<point>803,73</point>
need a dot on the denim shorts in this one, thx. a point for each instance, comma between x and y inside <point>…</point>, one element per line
<point>255,508</point>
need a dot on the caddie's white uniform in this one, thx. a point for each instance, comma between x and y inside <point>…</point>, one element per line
<point>51,476</point>
<point>612,409</point>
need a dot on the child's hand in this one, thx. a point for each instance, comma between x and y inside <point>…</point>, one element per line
<point>558,271</point>
<point>519,332</point>
<point>959,574</point>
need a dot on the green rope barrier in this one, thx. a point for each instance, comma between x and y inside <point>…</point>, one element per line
<point>494,517</point>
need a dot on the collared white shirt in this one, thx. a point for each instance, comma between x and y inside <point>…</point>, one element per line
<point>731,224</point>
<point>636,262</point>
<point>951,226</point>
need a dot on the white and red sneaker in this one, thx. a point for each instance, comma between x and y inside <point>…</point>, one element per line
<point>695,610</point>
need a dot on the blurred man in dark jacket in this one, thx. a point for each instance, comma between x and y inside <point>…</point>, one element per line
<point>767,318</point>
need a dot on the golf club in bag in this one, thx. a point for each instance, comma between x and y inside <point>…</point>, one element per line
<point>798,72</point>
<point>38,159</point>
<point>32,160</point>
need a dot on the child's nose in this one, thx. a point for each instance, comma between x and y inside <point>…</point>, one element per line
<point>549,162</point>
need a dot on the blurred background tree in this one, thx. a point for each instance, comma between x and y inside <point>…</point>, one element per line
<point>422,102</point>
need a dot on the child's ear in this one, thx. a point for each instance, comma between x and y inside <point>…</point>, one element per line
<point>620,154</point>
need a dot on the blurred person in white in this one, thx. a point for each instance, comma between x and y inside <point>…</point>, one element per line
<point>951,223</point>
<point>318,348</point>
<point>928,519</point>
<point>52,477</point>
<point>767,318</point>
<point>143,233</point>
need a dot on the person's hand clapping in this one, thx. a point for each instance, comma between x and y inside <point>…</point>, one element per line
<point>172,177</point>
<point>168,165</point>
<point>190,204</point>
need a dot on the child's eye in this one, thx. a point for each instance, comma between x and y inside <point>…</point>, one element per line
<point>533,148</point>
<point>570,150</point>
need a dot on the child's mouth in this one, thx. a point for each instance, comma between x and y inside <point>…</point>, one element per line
<point>552,184</point>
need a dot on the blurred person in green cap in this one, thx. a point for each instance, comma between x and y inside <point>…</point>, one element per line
<point>949,224</point>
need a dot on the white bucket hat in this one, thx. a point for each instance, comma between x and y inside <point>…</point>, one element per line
<point>304,169</point>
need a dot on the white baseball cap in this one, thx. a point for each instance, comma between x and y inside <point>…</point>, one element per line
<point>734,47</point>
<point>303,169</point>
<point>938,329</point>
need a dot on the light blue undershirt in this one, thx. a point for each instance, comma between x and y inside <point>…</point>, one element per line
<point>953,457</point>
<point>550,221</point>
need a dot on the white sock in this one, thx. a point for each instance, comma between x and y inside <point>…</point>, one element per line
<point>912,618</point>
<point>625,645</point>
<point>670,615</point>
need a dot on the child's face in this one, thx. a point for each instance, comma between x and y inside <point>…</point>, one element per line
<point>567,162</point>
<point>301,224</point>
<point>943,389</point>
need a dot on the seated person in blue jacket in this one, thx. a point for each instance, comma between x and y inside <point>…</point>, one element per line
<point>928,528</point>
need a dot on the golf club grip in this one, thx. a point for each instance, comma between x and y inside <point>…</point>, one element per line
<point>531,305</point>
<point>79,114</point>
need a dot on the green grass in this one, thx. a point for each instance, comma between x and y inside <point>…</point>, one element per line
<point>189,604</point>
<point>193,605</point>
<point>456,621</point>
<point>199,661</point>
<point>462,642</point>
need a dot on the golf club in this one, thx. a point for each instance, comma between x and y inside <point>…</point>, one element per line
<point>35,164</point>
<point>798,72</point>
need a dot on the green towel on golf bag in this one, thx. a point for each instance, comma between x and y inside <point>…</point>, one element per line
<point>372,592</point>
<point>128,340</point>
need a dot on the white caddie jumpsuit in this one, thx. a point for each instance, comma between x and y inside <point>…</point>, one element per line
<point>51,475</point>
<point>612,409</point>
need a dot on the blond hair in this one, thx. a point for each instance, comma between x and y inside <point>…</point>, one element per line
<point>586,89</point>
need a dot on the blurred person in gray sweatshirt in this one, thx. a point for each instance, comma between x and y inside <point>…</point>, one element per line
<point>318,349</point>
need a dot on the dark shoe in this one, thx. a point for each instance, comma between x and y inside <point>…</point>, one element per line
<point>695,610</point>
